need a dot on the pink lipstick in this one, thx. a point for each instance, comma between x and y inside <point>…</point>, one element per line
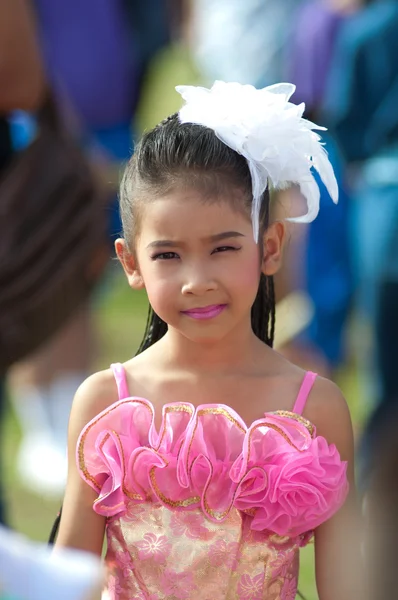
<point>206,312</point>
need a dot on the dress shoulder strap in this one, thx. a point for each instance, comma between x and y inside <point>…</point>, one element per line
<point>306,387</point>
<point>121,381</point>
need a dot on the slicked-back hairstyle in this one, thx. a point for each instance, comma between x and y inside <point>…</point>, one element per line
<point>174,155</point>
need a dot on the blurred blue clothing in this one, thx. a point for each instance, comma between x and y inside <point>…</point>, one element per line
<point>362,112</point>
<point>23,129</point>
<point>90,58</point>
<point>311,49</point>
<point>374,225</point>
<point>150,25</point>
<point>362,99</point>
<point>96,53</point>
<point>327,270</point>
<point>118,144</point>
<point>328,267</point>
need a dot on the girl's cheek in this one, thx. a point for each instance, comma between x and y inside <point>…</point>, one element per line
<point>249,273</point>
<point>159,292</point>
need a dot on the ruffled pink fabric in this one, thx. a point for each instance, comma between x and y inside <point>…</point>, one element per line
<point>277,470</point>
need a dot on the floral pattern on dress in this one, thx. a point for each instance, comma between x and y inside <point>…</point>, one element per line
<point>289,589</point>
<point>282,563</point>
<point>153,547</point>
<point>178,585</point>
<point>189,524</point>
<point>134,512</point>
<point>224,553</point>
<point>251,588</point>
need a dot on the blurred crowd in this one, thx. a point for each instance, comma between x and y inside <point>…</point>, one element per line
<point>342,56</point>
<point>92,59</point>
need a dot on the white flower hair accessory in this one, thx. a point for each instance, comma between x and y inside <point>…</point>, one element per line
<point>269,131</point>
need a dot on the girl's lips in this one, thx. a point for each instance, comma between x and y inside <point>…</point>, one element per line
<point>207,312</point>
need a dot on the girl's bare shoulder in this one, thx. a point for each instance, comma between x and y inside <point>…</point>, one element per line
<point>328,410</point>
<point>99,391</point>
<point>94,395</point>
<point>325,407</point>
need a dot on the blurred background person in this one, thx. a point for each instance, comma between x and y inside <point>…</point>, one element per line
<point>327,276</point>
<point>95,54</point>
<point>361,106</point>
<point>21,87</point>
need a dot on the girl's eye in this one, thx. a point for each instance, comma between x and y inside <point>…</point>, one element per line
<point>225,249</point>
<point>165,256</point>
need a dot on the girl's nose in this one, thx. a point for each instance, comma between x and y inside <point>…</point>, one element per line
<point>198,284</point>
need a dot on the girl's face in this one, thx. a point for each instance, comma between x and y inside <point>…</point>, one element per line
<point>198,262</point>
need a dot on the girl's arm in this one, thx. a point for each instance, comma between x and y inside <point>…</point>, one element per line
<point>337,542</point>
<point>80,526</point>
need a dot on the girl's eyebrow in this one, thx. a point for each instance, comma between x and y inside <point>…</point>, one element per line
<point>163,244</point>
<point>213,238</point>
<point>225,235</point>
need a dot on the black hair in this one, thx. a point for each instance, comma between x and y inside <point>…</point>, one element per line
<point>174,154</point>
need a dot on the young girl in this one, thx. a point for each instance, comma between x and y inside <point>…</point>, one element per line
<point>208,459</point>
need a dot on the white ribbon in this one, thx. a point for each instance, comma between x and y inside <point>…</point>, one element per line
<point>279,145</point>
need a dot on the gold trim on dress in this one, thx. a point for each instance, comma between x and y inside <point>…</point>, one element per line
<point>177,408</point>
<point>295,417</point>
<point>168,501</point>
<point>275,428</point>
<point>221,411</point>
<point>89,426</point>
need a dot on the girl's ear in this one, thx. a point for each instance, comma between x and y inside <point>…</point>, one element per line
<point>129,264</point>
<point>273,240</point>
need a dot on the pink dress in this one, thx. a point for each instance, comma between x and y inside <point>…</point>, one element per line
<point>207,508</point>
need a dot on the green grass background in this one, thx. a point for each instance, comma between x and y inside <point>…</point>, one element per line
<point>120,316</point>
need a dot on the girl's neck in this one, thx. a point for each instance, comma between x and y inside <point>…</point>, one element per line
<point>241,346</point>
